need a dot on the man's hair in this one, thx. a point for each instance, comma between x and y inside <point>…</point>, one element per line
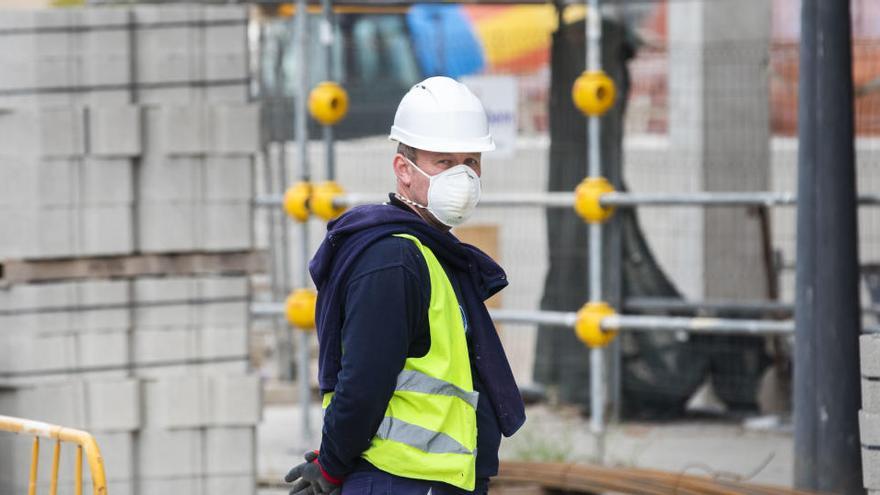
<point>407,151</point>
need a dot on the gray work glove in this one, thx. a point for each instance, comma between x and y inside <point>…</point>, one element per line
<point>309,478</point>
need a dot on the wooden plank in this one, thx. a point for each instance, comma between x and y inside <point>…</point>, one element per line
<point>130,266</point>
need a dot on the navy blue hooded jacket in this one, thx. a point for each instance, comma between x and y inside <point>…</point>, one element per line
<point>359,247</point>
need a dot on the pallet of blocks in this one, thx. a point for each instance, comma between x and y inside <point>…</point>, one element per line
<point>127,144</point>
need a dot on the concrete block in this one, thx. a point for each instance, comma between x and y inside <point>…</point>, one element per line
<point>234,129</point>
<point>57,403</point>
<point>871,395</point>
<point>229,451</point>
<point>223,287</point>
<point>174,345</point>
<point>226,314</point>
<point>223,342</point>
<point>167,226</point>
<point>235,401</point>
<point>102,292</point>
<point>230,485</point>
<point>35,296</point>
<point>166,316</point>
<point>62,131</point>
<point>114,130</point>
<point>55,233</point>
<point>114,405</point>
<point>225,93</point>
<point>106,52</point>
<point>170,453</point>
<point>228,178</point>
<point>157,289</point>
<point>106,230</point>
<point>177,402</point>
<point>175,95</point>
<point>185,129</point>
<point>869,351</point>
<point>869,428</point>
<point>17,220</point>
<point>226,226</point>
<point>175,179</point>
<point>165,54</point>
<point>871,468</point>
<point>192,485</point>
<point>103,349</point>
<point>33,182</point>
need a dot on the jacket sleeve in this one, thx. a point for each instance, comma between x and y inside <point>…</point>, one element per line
<point>384,307</point>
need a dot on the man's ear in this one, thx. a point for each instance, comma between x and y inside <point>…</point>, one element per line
<point>402,170</point>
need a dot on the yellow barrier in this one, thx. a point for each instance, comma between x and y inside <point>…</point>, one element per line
<point>83,440</point>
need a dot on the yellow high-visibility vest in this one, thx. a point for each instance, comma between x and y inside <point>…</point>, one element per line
<point>429,431</point>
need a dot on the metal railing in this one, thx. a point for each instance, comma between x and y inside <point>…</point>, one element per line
<point>85,444</point>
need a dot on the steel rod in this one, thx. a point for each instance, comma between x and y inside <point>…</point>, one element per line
<point>301,130</point>
<point>617,199</point>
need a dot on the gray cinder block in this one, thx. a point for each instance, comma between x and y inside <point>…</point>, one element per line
<point>869,428</point>
<point>871,395</point>
<point>114,405</point>
<point>176,179</point>
<point>228,178</point>
<point>114,130</point>
<point>226,226</point>
<point>234,129</point>
<point>169,453</point>
<point>106,230</point>
<point>236,400</point>
<point>869,351</point>
<point>231,485</point>
<point>176,402</point>
<point>871,468</point>
<point>228,451</point>
<point>167,226</point>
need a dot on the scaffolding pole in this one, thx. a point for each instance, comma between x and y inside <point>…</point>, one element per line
<point>301,130</point>
<point>616,199</point>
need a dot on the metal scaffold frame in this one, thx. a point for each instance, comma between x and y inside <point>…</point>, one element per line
<point>595,200</point>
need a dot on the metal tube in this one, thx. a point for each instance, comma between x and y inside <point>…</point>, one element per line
<point>56,458</point>
<point>327,37</point>
<point>301,131</point>
<point>697,325</point>
<point>648,304</point>
<point>616,199</point>
<point>35,460</point>
<point>827,394</point>
<point>593,26</point>
<point>563,319</point>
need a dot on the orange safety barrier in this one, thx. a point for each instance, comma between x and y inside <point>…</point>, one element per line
<point>85,444</point>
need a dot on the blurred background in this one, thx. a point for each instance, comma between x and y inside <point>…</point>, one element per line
<point>136,139</point>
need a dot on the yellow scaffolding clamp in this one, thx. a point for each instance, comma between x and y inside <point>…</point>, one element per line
<point>300,309</point>
<point>323,202</point>
<point>85,443</point>
<point>587,198</point>
<point>328,102</point>
<point>296,201</point>
<point>588,326</point>
<point>593,93</point>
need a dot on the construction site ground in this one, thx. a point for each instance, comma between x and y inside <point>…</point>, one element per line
<point>756,449</point>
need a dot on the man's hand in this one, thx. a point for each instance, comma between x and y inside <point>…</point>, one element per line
<point>311,479</point>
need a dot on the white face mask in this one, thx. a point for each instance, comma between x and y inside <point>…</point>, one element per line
<point>452,194</point>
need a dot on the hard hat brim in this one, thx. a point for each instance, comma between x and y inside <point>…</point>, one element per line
<point>474,145</point>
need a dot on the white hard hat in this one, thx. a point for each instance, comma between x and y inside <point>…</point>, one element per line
<point>441,114</point>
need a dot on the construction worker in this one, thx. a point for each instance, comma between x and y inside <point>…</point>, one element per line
<point>417,388</point>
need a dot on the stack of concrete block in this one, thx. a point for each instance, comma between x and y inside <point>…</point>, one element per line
<point>51,331</point>
<point>185,325</point>
<point>869,416</point>
<point>79,91</point>
<point>66,180</point>
<point>152,54</point>
<point>149,327</point>
<point>197,178</point>
<point>192,434</point>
